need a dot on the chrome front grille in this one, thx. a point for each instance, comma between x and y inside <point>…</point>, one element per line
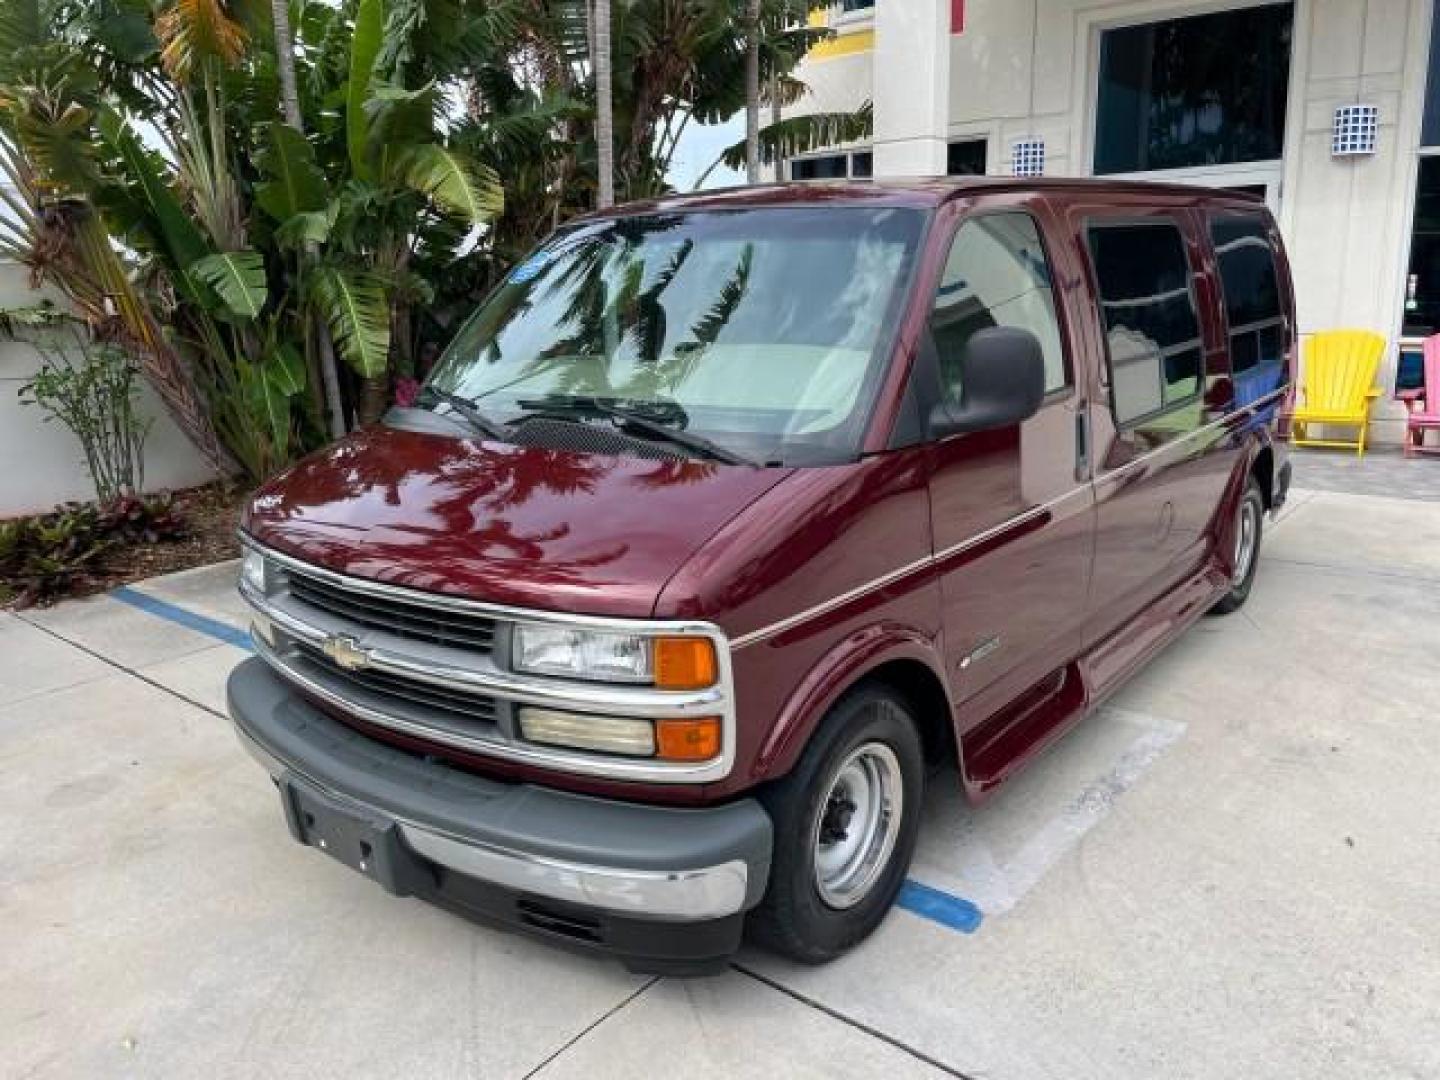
<point>397,690</point>
<point>412,621</point>
<point>436,667</point>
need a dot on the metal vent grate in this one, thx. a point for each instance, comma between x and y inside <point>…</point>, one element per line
<point>588,439</point>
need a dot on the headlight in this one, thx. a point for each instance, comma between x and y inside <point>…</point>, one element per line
<point>582,654</point>
<point>668,663</point>
<point>252,571</point>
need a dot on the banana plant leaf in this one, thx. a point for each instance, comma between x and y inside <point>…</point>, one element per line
<point>238,278</point>
<point>364,47</point>
<point>294,184</point>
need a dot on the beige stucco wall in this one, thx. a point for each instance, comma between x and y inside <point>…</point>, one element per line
<point>1027,69</point>
<point>41,463</point>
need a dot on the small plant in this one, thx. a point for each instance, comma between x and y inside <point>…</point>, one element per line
<point>41,557</point>
<point>44,558</point>
<point>91,388</point>
<point>136,519</point>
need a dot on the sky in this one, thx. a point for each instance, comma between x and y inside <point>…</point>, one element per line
<point>698,149</point>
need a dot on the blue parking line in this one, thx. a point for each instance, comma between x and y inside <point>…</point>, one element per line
<point>938,906</point>
<point>191,620</point>
<point>944,908</point>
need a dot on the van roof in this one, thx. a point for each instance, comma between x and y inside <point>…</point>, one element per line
<point>922,192</point>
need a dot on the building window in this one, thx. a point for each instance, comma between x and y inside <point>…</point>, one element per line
<point>830,167</point>
<point>1422,285</point>
<point>997,274</point>
<point>969,157</point>
<point>1430,126</point>
<point>859,165</point>
<point>847,6</point>
<point>1152,331</point>
<point>1205,90</point>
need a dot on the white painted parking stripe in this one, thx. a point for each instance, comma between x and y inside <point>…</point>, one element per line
<point>1047,846</point>
<point>996,886</point>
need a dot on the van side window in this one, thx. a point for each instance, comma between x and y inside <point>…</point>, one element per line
<point>1152,331</point>
<point>1252,296</point>
<point>997,274</point>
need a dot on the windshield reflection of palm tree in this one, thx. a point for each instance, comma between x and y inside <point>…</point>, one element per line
<point>676,368</point>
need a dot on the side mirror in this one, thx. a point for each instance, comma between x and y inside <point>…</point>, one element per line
<point>1002,382</point>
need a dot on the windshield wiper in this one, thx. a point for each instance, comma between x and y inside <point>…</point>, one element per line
<point>466,408</point>
<point>652,426</point>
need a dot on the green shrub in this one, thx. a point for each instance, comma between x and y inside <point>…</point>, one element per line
<point>92,391</point>
<point>43,558</point>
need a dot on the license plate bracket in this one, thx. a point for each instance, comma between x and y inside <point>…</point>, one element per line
<point>363,839</point>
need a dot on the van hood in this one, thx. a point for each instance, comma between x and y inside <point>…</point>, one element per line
<point>527,526</point>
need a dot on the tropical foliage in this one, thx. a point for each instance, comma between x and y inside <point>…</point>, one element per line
<point>274,210</point>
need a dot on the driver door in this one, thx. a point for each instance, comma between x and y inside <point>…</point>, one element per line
<point>1012,509</point>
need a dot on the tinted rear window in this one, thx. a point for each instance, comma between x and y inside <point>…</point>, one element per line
<point>1152,331</point>
<point>1251,285</point>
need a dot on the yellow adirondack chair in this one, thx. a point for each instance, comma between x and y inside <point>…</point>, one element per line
<point>1337,385</point>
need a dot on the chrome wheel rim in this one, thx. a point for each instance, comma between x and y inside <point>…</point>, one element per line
<point>1247,531</point>
<point>858,824</point>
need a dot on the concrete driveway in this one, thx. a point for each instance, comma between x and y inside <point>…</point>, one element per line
<point>1230,872</point>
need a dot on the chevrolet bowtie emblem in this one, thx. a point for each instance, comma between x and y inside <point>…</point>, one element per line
<point>347,653</point>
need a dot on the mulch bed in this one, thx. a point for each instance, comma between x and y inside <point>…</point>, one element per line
<point>210,513</point>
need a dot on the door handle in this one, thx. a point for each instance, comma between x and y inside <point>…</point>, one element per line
<point>1082,443</point>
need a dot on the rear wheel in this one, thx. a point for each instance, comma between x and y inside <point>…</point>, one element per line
<point>845,821</point>
<point>1249,527</point>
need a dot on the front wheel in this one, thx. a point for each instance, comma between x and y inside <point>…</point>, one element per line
<point>845,822</point>
<point>1249,526</point>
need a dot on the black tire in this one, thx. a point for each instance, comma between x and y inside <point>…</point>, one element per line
<point>1251,503</point>
<point>795,918</point>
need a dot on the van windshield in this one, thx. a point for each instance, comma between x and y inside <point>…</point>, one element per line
<point>762,331</point>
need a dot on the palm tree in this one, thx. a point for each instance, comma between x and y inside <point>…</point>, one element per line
<point>285,64</point>
<point>752,92</point>
<point>327,388</point>
<point>775,118</point>
<point>604,114</point>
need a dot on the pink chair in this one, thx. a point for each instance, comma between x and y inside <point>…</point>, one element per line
<point>1424,405</point>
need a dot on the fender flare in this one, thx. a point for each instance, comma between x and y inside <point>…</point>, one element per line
<point>835,673</point>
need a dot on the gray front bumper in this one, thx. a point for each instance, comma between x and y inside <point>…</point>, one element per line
<point>627,859</point>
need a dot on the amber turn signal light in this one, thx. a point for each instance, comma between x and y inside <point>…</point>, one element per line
<point>688,740</point>
<point>685,663</point>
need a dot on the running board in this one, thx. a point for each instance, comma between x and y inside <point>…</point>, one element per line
<point>996,749</point>
<point>1010,738</point>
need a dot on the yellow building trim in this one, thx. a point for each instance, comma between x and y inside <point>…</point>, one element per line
<point>843,43</point>
<point>860,41</point>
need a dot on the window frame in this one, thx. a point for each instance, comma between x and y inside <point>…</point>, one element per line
<point>1065,390</point>
<point>1174,219</point>
<point>847,155</point>
<point>1098,25</point>
<point>1282,320</point>
<point>982,141</point>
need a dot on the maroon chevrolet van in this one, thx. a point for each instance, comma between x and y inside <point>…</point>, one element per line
<point>727,518</point>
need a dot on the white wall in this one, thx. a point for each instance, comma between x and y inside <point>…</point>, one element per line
<point>1347,222</point>
<point>1026,69</point>
<point>41,463</point>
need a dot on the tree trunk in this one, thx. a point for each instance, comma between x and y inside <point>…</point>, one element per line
<point>374,398</point>
<point>775,123</point>
<point>604,114</point>
<point>285,63</point>
<point>752,92</point>
<point>323,362</point>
